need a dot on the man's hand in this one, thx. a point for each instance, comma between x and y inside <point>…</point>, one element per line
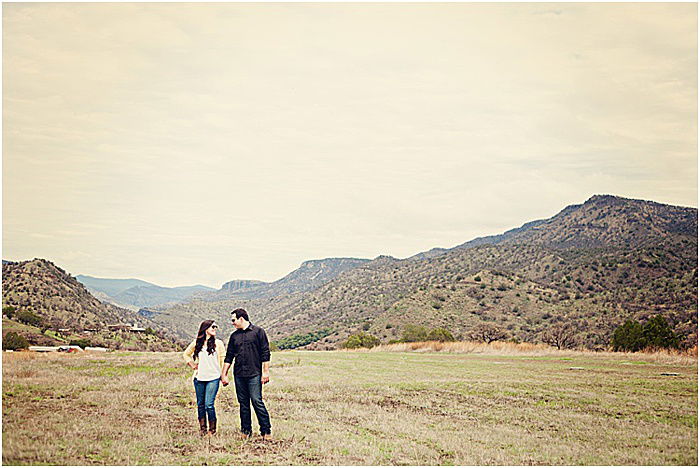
<point>224,380</point>
<point>265,378</point>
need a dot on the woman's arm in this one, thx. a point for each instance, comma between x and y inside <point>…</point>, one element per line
<point>187,355</point>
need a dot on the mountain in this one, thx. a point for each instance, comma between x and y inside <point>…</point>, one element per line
<point>61,302</point>
<point>111,287</point>
<point>603,221</point>
<point>589,267</point>
<point>309,275</point>
<point>135,294</point>
<point>239,286</point>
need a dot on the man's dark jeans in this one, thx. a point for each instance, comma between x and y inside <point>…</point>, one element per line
<point>249,389</point>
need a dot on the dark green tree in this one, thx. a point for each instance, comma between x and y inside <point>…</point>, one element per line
<point>629,337</point>
<point>659,334</point>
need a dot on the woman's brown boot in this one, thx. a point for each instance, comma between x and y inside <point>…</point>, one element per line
<point>212,426</point>
<point>203,426</point>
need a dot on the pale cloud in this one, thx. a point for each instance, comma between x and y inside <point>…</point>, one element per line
<point>197,143</point>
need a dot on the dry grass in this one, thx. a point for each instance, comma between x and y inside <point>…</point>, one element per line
<point>687,357</point>
<point>362,408</point>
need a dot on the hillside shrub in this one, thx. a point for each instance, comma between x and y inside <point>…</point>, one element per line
<point>440,334</point>
<point>14,341</point>
<point>361,340</point>
<point>413,333</point>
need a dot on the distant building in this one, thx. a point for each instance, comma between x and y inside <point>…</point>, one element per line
<point>43,349</point>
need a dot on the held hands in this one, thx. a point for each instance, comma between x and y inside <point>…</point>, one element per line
<point>193,365</point>
<point>265,378</point>
<point>224,380</point>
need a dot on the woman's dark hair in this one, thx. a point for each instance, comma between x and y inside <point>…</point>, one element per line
<point>201,336</point>
<point>241,313</point>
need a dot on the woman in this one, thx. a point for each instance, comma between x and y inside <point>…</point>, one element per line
<point>208,352</point>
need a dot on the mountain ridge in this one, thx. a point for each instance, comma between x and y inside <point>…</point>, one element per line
<point>632,257</point>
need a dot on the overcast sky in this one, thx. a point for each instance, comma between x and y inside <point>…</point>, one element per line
<point>199,143</point>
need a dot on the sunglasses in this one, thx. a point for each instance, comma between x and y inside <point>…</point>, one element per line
<point>215,326</point>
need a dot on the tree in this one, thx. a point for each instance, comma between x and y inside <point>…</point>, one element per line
<point>412,333</point>
<point>658,333</point>
<point>629,337</point>
<point>440,334</point>
<point>14,341</point>
<point>487,333</point>
<point>361,340</point>
<point>561,336</point>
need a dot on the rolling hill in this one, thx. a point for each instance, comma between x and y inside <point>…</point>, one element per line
<point>589,267</point>
<point>61,302</point>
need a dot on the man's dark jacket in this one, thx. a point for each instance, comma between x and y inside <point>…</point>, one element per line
<point>250,348</point>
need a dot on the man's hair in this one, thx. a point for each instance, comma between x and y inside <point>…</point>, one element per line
<point>241,313</point>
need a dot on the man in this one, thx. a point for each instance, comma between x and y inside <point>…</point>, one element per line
<point>248,345</point>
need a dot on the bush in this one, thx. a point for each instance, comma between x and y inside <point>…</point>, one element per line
<point>14,341</point>
<point>440,334</point>
<point>361,340</point>
<point>412,333</point>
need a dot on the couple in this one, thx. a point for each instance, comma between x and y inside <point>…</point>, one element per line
<point>249,347</point>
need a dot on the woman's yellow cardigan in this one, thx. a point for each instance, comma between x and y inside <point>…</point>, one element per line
<point>220,353</point>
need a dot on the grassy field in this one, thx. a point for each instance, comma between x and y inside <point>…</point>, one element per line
<point>349,408</point>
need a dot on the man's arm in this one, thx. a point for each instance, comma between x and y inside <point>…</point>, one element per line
<point>264,356</point>
<point>230,353</point>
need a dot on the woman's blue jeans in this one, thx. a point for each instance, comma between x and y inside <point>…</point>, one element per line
<point>206,394</point>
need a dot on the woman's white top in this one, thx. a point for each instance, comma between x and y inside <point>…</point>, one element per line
<point>208,366</point>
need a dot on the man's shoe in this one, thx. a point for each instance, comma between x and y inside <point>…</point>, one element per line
<point>203,426</point>
<point>212,427</point>
<point>266,437</point>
